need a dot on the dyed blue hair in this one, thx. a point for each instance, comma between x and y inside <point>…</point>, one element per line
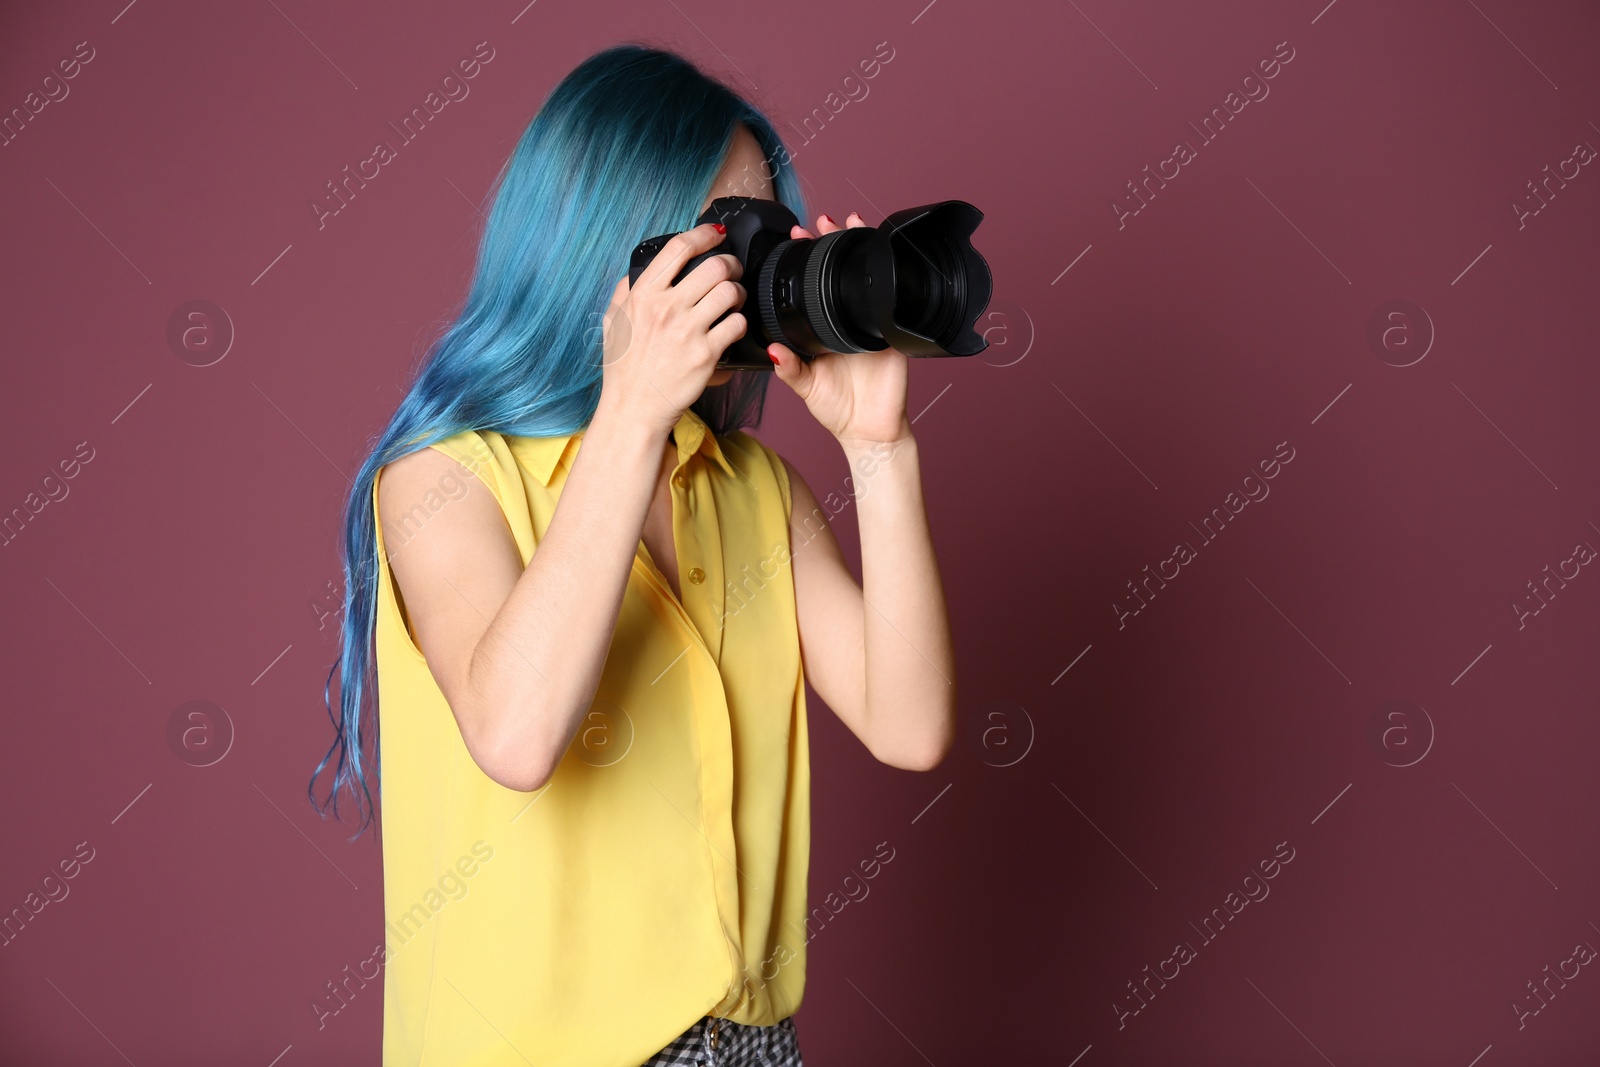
<point>625,147</point>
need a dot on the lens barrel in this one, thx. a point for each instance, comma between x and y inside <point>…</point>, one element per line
<point>913,282</point>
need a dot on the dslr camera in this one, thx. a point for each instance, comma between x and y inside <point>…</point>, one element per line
<point>914,282</point>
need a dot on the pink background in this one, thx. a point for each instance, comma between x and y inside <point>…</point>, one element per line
<point>1114,782</point>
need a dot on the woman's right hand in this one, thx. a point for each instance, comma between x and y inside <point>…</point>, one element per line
<point>660,345</point>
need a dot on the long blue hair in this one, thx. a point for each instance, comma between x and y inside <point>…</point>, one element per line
<point>625,147</point>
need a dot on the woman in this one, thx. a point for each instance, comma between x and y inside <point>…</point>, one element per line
<point>595,601</point>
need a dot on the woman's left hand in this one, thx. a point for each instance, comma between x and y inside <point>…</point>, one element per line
<point>859,396</point>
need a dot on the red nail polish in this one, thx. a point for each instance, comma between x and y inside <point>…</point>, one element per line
<point>719,227</point>
<point>772,357</point>
<point>830,219</point>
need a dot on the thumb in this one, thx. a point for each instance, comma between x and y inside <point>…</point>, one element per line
<point>787,366</point>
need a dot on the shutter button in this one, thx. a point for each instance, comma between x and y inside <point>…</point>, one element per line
<point>696,575</point>
<point>680,480</point>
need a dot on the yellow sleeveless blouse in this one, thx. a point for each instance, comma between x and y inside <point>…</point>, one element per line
<point>660,874</point>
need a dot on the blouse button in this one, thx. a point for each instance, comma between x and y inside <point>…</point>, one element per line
<point>696,575</point>
<point>680,480</point>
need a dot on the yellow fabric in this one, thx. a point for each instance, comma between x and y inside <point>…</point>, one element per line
<point>660,874</point>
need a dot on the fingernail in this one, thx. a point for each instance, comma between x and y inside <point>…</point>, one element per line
<point>830,219</point>
<point>719,227</point>
<point>772,357</point>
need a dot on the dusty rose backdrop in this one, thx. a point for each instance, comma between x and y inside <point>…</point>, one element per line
<point>1268,520</point>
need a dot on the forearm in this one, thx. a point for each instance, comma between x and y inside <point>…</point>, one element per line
<point>909,661</point>
<point>538,666</point>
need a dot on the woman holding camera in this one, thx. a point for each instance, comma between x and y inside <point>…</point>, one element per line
<point>595,602</point>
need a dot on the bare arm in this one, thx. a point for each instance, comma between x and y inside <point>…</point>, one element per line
<point>519,653</point>
<point>881,658</point>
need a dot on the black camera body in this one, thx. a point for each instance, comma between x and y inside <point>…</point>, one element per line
<point>914,282</point>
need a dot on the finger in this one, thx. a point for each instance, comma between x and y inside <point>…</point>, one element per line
<point>726,332</point>
<point>827,224</point>
<point>677,252</point>
<point>708,275</point>
<point>800,233</point>
<point>854,219</point>
<point>724,296</point>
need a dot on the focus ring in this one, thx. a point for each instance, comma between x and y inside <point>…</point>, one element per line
<point>812,303</point>
<point>767,296</point>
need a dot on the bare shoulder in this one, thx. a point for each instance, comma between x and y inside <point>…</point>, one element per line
<point>428,487</point>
